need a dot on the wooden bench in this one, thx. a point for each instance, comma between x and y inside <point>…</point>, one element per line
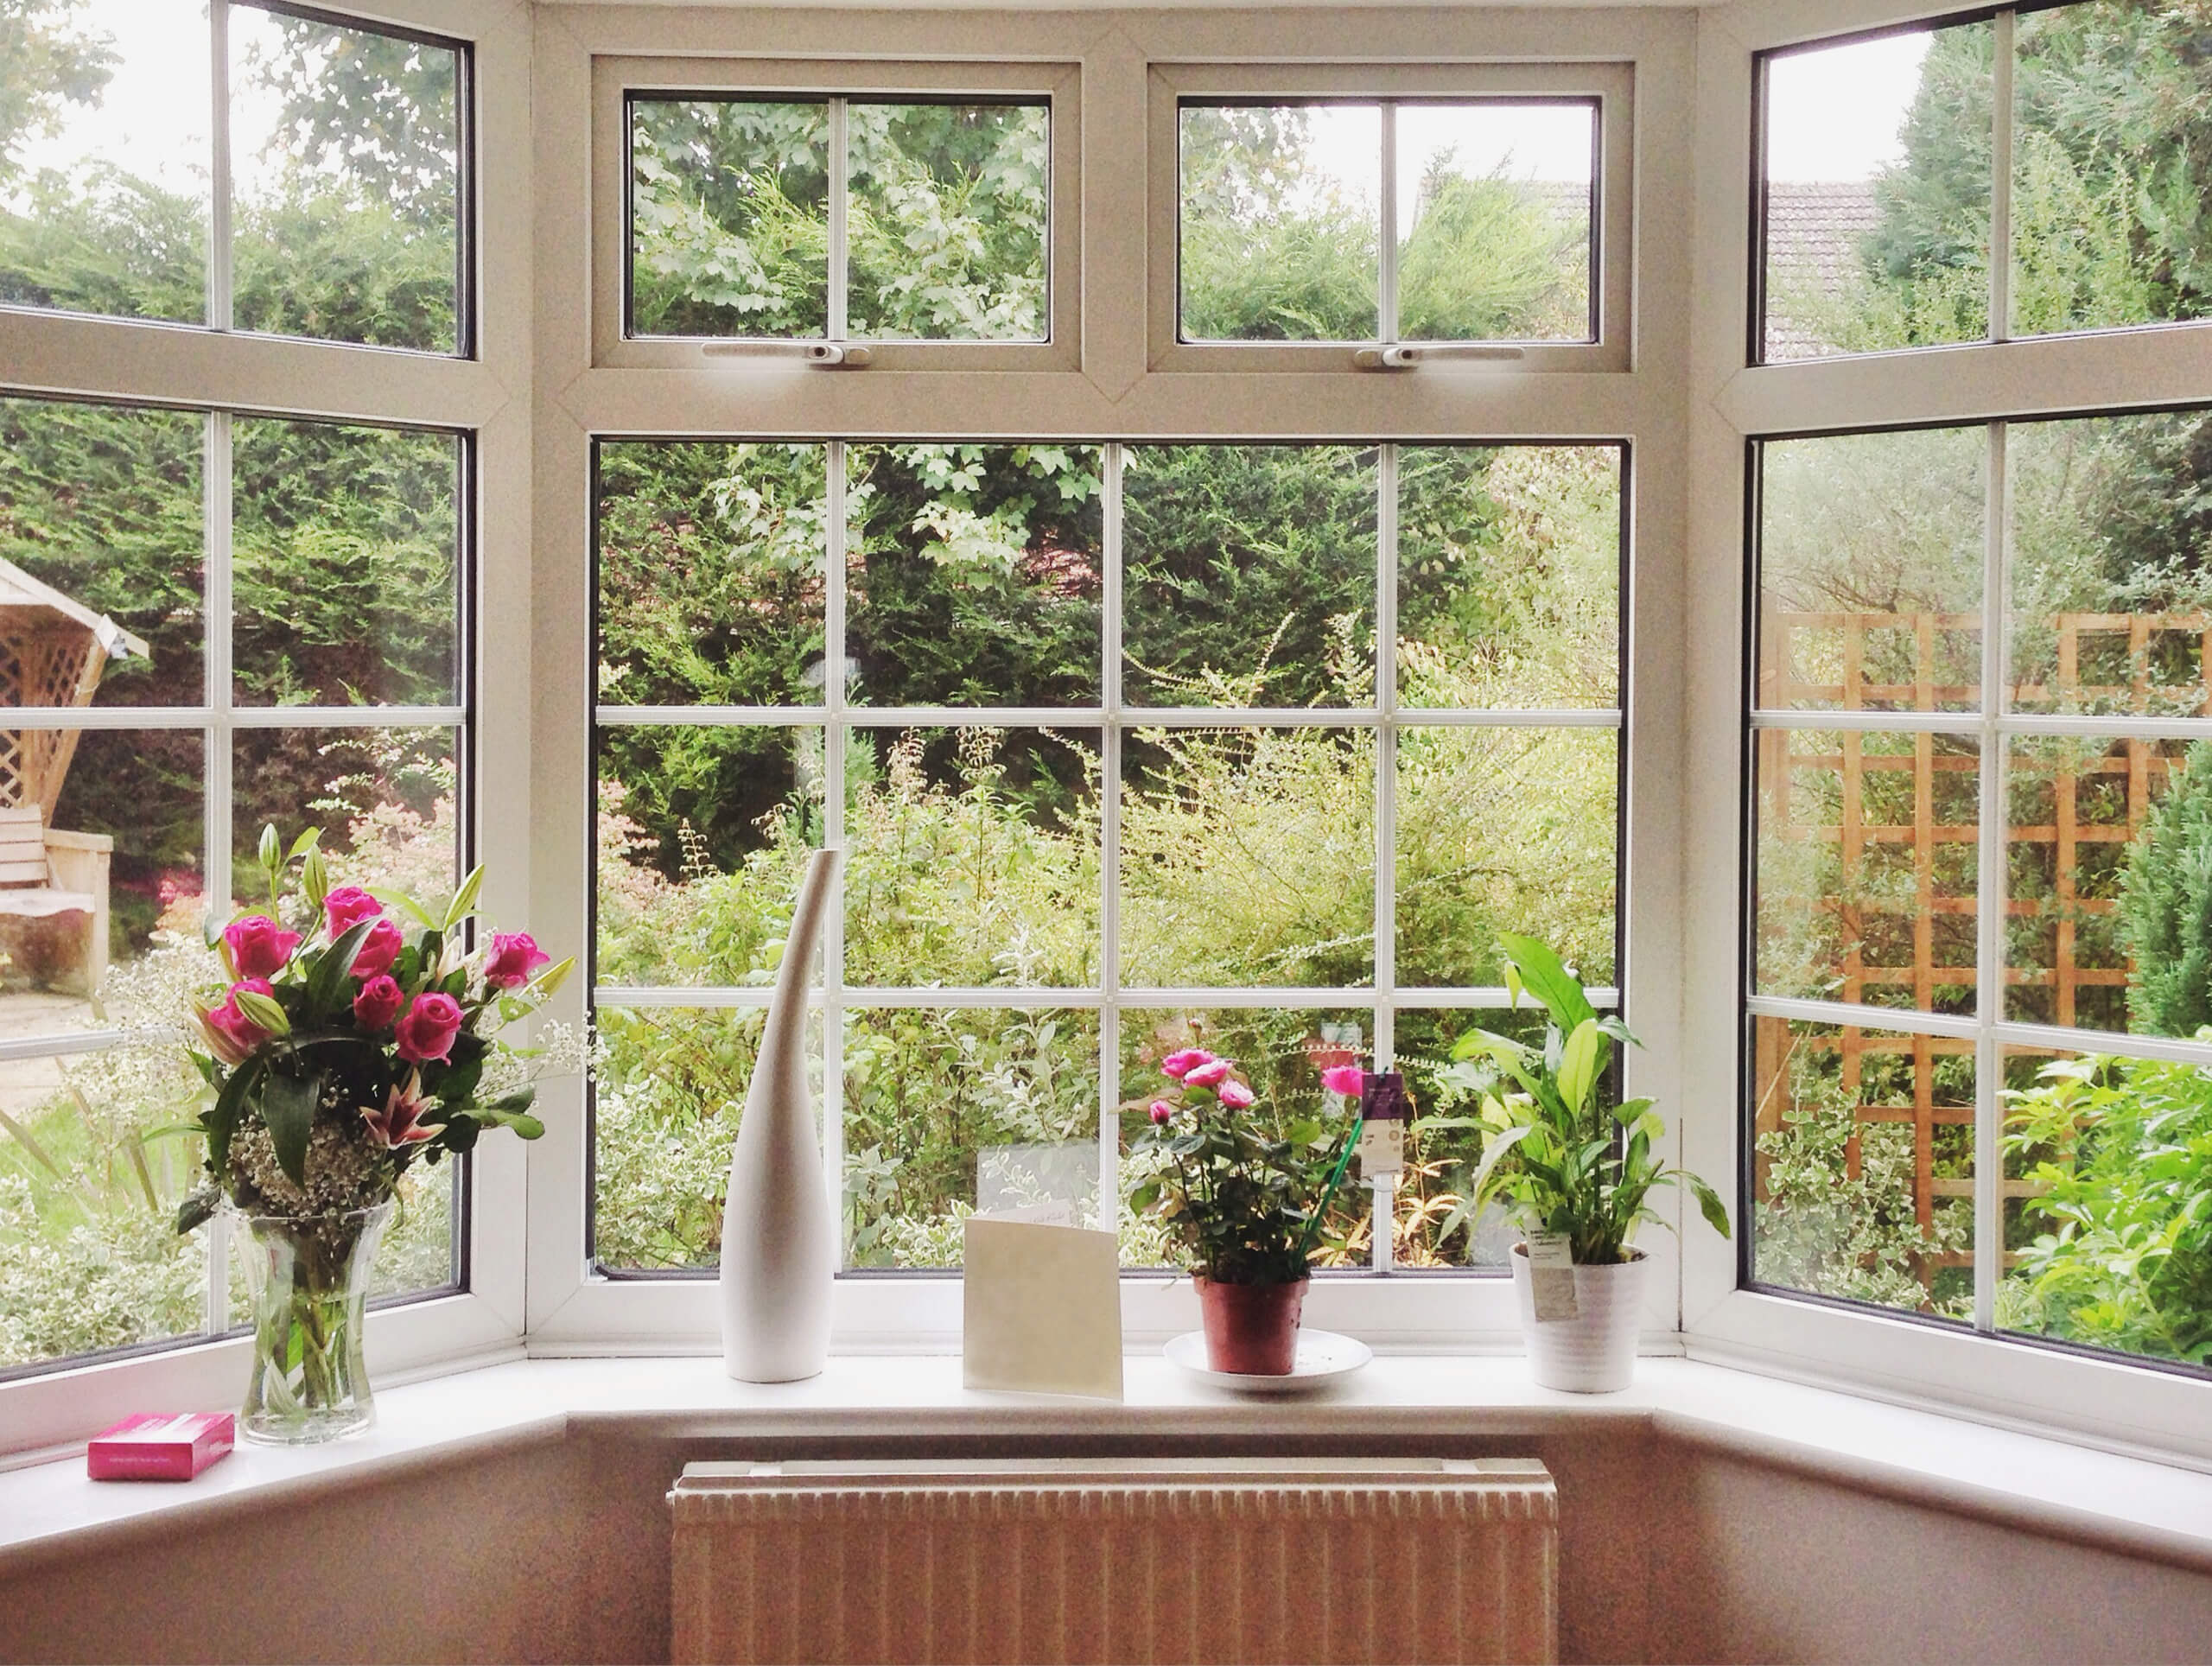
<point>45,873</point>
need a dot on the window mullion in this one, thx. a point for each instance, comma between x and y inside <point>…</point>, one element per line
<point>219,193</point>
<point>1110,851</point>
<point>215,866</point>
<point>834,735</point>
<point>1991,888</point>
<point>1386,783</point>
<point>2000,178</point>
<point>1386,278</point>
<point>840,183</point>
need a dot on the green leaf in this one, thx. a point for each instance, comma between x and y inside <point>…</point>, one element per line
<point>196,1208</point>
<point>407,904</point>
<point>1578,1065</point>
<point>37,1152</point>
<point>554,976</point>
<point>1493,1148</point>
<point>288,1103</point>
<point>1548,980</point>
<point>464,898</point>
<point>263,1010</point>
<point>1709,1205</point>
<point>327,982</point>
<point>520,1099</point>
<point>222,1118</point>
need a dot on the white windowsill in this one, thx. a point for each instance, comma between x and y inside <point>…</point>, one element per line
<point>2128,1505</point>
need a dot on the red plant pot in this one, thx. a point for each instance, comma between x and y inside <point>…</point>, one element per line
<point>1251,1329</point>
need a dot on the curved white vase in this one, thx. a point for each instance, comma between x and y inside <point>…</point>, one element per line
<point>1595,1352</point>
<point>779,1247</point>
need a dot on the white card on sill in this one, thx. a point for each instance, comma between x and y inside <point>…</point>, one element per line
<point>1040,1308</point>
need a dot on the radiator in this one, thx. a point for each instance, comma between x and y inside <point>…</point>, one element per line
<point>1348,1559</point>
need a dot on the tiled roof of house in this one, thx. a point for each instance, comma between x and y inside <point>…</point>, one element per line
<point>1815,232</point>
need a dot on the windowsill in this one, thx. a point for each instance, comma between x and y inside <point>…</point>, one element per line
<point>51,1510</point>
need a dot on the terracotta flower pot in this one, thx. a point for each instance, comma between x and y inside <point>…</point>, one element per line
<point>1251,1329</point>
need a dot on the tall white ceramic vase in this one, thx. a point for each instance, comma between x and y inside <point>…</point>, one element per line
<point>780,1250</point>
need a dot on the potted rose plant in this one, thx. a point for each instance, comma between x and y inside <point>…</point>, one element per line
<point>341,1049</point>
<point>1243,1193</point>
<point>1575,1171</point>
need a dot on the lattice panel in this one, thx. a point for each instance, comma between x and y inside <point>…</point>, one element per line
<point>57,666</point>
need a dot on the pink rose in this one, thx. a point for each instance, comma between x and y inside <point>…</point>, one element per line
<point>346,908</point>
<point>513,958</point>
<point>234,1034</point>
<point>1235,1094</point>
<point>400,1123</point>
<point>259,946</point>
<point>1179,1064</point>
<point>428,1030</point>
<point>1347,1079</point>
<point>1161,1111</point>
<point>377,1004</point>
<point>377,950</point>
<point>1211,1074</point>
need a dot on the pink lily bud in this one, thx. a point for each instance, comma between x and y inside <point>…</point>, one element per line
<point>1161,1112</point>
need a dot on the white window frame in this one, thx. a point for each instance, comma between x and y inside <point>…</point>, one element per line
<point>1112,394</point>
<point>1610,86</point>
<point>2139,1406</point>
<point>480,393</point>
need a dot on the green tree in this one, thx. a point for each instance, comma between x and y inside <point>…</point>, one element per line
<point>2165,907</point>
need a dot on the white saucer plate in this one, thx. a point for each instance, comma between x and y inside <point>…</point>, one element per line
<point>1323,1357</point>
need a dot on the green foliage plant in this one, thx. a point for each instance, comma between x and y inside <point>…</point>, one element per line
<point>2165,907</point>
<point>1556,1153</point>
<point>1243,1192</point>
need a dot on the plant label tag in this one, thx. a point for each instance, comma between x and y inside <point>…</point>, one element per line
<point>1551,1275</point>
<point>1382,1148</point>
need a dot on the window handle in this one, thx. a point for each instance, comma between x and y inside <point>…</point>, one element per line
<point>1398,356</point>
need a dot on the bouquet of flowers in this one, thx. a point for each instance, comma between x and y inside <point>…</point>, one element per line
<point>353,1040</point>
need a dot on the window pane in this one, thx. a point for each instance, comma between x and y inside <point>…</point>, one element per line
<point>385,800</point>
<point>421,1251</point>
<point>702,836</point>
<point>345,564</point>
<point>1494,221</point>
<point>973,574</point>
<point>945,235</point>
<point>100,511</point>
<point>1870,560</point>
<point>667,1091</point>
<point>1250,576</point>
<point>1506,830</point>
<point>973,857</point>
<point>730,229</point>
<point>1440,1161</point>
<point>1281,1052</point>
<point>1248,857</point>
<point>2109,222</point>
<point>711,568</point>
<point>104,159</point>
<point>91,1174</point>
<point>2103,1157</point>
<point>2109,915</point>
<point>346,183</point>
<point>1863,1177</point>
<point>1866,867</point>
<point>2111,609</point>
<point>1878,192</point>
<point>1508,576</point>
<point>949,1112</point>
<point>1280,221</point>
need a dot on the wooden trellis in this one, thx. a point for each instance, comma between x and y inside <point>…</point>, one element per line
<point>1895,799</point>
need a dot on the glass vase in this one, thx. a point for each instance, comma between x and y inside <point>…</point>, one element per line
<point>308,1277</point>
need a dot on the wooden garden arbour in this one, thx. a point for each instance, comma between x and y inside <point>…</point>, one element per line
<point>1852,650</point>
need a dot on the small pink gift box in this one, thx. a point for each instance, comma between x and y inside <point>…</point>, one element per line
<point>154,1446</point>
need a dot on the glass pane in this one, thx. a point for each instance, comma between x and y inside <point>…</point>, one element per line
<point>1508,576</point>
<point>711,573</point>
<point>945,235</point>
<point>1281,1052</point>
<point>2111,609</point>
<point>702,836</point>
<point>1248,857</point>
<point>1872,548</point>
<point>973,857</point>
<point>421,1251</point>
<point>2104,1177</point>
<point>346,183</point>
<point>104,159</point>
<point>1864,1181</point>
<point>92,1167</point>
<point>667,1091</point>
<point>2109,221</point>
<point>2108,921</point>
<point>973,574</point>
<point>729,217</point>
<point>1866,879</point>
<point>1877,192</point>
<point>382,797</point>
<point>100,512</point>
<point>1250,576</point>
<point>1513,829</point>
<point>345,564</point>
<point>949,1112</point>
<point>1280,221</point>
<point>1494,221</point>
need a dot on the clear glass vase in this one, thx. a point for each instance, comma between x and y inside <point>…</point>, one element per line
<point>308,1277</point>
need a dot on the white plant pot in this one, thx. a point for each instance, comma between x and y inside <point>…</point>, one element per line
<point>1595,1352</point>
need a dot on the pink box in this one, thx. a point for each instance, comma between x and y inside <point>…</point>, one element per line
<point>154,1446</point>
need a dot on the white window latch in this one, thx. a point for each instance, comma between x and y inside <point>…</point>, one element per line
<point>1401,357</point>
